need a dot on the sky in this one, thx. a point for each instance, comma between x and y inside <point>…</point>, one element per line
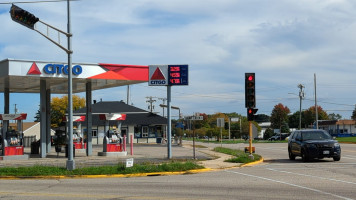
<point>285,42</point>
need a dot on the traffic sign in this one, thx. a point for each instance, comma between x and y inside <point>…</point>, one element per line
<point>234,119</point>
<point>220,122</point>
<point>196,118</point>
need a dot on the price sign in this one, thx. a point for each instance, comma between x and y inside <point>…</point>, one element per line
<point>178,74</point>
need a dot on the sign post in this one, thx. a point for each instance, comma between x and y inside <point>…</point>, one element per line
<point>168,75</point>
<point>196,117</point>
<point>220,123</point>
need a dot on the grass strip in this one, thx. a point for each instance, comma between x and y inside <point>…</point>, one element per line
<point>100,170</point>
<point>346,139</point>
<point>240,156</point>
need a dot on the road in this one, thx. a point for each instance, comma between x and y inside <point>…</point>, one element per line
<point>276,178</point>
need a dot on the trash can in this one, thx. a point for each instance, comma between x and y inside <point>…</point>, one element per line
<point>67,151</point>
<point>35,147</point>
<point>159,140</point>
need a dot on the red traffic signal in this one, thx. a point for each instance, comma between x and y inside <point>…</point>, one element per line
<point>251,113</point>
<point>23,17</point>
<point>250,97</point>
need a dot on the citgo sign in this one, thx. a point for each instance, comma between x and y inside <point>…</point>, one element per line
<point>59,69</point>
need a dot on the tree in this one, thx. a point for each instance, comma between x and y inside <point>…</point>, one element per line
<point>38,116</point>
<point>262,118</point>
<point>310,115</point>
<point>268,133</point>
<point>59,107</point>
<point>334,116</point>
<point>353,114</point>
<point>279,116</point>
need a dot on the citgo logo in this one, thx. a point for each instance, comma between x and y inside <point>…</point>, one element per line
<point>158,78</point>
<point>54,69</point>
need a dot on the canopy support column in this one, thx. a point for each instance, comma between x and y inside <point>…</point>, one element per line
<point>89,119</point>
<point>5,122</point>
<point>43,119</point>
<point>48,119</point>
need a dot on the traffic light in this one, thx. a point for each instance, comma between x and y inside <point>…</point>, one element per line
<point>251,113</point>
<point>23,17</point>
<point>250,98</point>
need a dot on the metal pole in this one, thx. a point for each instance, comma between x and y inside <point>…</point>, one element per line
<point>250,140</point>
<point>220,136</point>
<point>316,105</point>
<point>194,156</point>
<point>128,95</point>
<point>169,131</point>
<point>70,161</point>
<point>229,129</point>
<point>300,106</point>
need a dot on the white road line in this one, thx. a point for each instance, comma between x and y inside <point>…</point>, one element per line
<point>329,179</point>
<point>348,157</point>
<point>290,184</point>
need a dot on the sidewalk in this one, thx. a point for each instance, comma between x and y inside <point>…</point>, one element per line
<point>154,153</point>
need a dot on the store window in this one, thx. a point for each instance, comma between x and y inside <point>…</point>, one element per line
<point>144,131</point>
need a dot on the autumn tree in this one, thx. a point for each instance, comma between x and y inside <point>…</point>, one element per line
<point>309,115</point>
<point>279,116</point>
<point>59,107</point>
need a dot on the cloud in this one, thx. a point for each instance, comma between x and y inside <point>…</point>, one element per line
<point>283,42</point>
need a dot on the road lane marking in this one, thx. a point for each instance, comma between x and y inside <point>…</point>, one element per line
<point>349,157</point>
<point>329,179</point>
<point>290,184</point>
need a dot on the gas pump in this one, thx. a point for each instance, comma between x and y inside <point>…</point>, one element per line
<point>112,140</point>
<point>78,139</point>
<point>12,140</point>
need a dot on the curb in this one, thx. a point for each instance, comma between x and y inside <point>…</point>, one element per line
<point>252,163</point>
<point>107,176</point>
<point>128,175</point>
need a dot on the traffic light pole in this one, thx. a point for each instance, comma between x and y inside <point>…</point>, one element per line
<point>250,140</point>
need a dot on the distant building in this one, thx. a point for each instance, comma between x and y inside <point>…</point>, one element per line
<point>338,128</point>
<point>144,126</point>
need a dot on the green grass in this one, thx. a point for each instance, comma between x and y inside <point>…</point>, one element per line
<point>346,139</point>
<point>236,141</point>
<point>101,170</point>
<point>240,156</point>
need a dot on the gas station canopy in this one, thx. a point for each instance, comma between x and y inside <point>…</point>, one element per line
<point>23,76</point>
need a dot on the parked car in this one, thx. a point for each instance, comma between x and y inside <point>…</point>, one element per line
<point>278,136</point>
<point>313,143</point>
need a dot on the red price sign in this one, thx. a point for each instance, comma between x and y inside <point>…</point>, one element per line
<point>174,69</point>
<point>178,74</point>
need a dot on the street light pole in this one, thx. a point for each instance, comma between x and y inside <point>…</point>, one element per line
<point>301,95</point>
<point>70,162</point>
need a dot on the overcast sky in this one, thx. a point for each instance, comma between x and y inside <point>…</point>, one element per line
<point>283,41</point>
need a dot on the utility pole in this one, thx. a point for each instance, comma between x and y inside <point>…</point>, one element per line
<point>164,102</point>
<point>316,105</point>
<point>301,96</point>
<point>151,101</point>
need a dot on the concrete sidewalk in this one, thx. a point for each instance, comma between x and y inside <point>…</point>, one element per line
<point>154,153</point>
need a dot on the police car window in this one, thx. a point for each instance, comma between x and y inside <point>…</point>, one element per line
<point>298,136</point>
